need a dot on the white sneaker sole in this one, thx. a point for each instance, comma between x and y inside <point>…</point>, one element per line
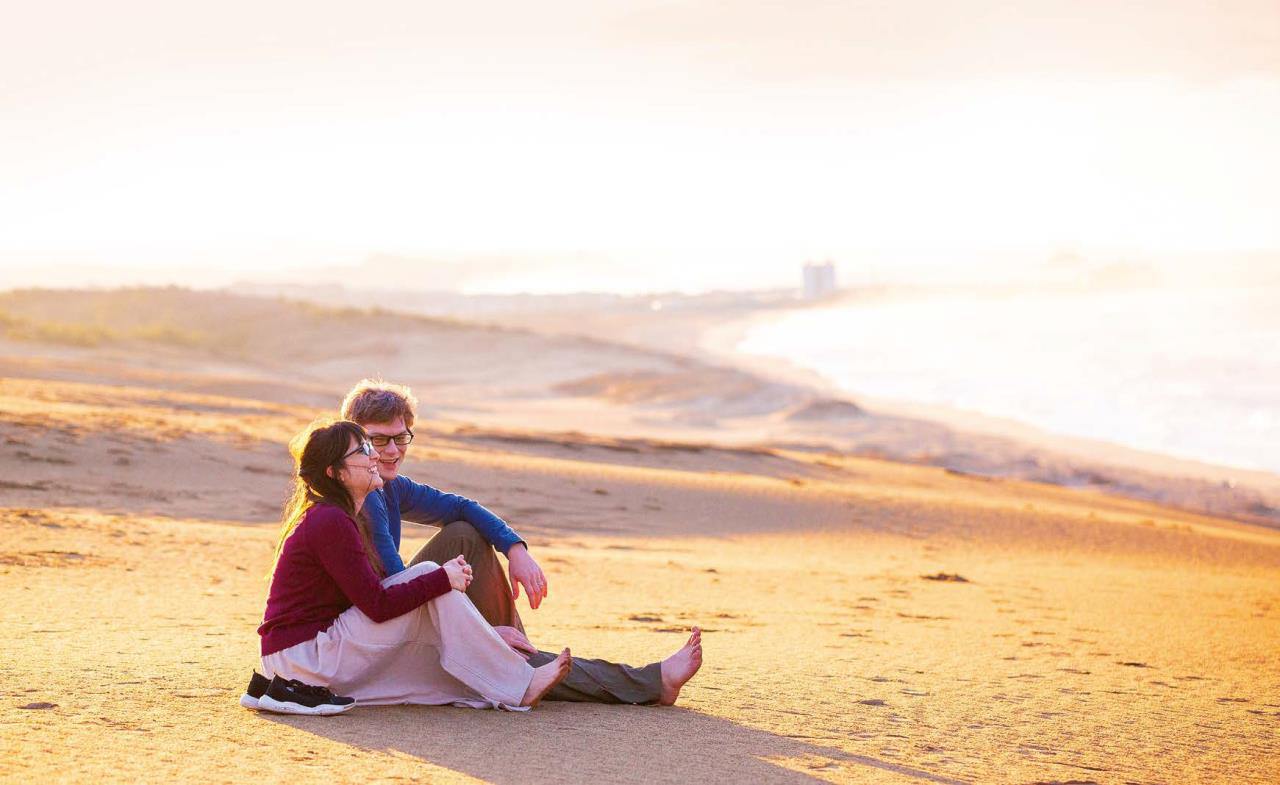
<point>249,702</point>
<point>268,703</point>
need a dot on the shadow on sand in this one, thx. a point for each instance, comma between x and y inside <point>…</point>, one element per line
<point>592,743</point>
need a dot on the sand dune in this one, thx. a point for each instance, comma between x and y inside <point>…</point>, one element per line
<point>867,621</point>
<point>555,379</point>
<point>1093,639</point>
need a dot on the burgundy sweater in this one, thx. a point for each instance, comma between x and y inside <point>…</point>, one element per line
<point>322,571</point>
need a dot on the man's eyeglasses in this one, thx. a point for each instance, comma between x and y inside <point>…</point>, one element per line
<point>401,439</point>
<point>363,447</point>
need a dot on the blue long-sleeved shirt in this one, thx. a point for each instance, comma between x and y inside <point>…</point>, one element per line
<point>413,501</point>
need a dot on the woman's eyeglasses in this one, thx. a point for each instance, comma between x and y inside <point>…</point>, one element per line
<point>401,439</point>
<point>363,447</point>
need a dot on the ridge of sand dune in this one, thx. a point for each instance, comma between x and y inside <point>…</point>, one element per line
<point>120,434</point>
<point>503,377</point>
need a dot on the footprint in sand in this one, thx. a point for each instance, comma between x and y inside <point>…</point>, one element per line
<point>946,577</point>
<point>533,510</point>
<point>53,459</point>
<point>210,692</point>
<point>49,559</point>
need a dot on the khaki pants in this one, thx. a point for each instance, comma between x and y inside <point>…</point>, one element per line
<point>439,653</point>
<point>489,590</point>
<point>594,681</point>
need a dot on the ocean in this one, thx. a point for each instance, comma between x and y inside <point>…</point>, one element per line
<point>1193,373</point>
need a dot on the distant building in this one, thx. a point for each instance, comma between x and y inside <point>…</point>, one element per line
<point>819,280</point>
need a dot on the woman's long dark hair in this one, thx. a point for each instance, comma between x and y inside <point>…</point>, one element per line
<point>315,451</point>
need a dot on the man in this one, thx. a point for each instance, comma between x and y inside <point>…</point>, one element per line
<point>387,412</point>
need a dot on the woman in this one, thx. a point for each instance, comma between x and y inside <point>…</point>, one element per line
<point>331,620</point>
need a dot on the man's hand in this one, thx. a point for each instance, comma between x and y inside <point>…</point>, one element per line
<point>516,640</point>
<point>524,571</point>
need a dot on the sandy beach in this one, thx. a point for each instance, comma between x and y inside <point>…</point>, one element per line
<point>866,620</point>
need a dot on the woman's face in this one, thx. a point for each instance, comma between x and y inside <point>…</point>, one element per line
<point>358,472</point>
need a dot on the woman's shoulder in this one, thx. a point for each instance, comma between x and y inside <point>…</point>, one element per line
<point>325,516</point>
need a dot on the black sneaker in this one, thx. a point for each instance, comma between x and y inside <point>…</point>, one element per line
<point>293,697</point>
<point>257,688</point>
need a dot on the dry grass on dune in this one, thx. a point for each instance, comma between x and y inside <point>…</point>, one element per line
<point>219,323</point>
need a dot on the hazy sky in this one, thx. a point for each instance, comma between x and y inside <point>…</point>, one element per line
<point>719,142</point>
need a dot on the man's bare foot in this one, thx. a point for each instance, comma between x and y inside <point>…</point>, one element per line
<point>680,667</point>
<point>544,678</point>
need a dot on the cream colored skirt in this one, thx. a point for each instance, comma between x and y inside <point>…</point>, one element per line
<point>443,652</point>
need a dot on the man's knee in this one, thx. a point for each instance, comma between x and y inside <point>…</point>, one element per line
<point>458,539</point>
<point>462,531</point>
<point>461,537</point>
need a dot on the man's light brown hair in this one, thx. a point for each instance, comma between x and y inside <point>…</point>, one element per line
<point>376,401</point>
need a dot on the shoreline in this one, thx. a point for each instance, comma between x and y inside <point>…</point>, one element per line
<point>719,343</point>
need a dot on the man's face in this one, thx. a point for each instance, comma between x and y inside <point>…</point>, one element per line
<point>390,455</point>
